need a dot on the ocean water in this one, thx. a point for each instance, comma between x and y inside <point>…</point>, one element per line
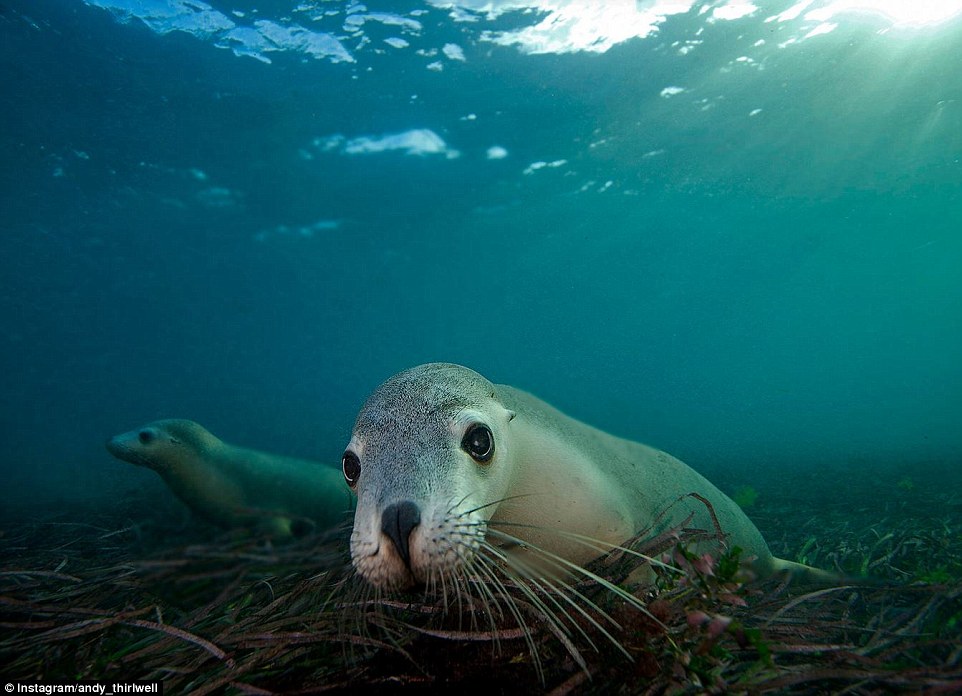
<point>729,230</point>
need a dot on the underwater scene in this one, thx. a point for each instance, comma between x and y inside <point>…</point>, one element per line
<point>553,346</point>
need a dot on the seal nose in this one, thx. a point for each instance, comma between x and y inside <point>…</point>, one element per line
<point>398,521</point>
<point>113,446</point>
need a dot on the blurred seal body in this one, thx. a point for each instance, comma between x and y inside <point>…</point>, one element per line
<point>234,486</point>
<point>448,467</point>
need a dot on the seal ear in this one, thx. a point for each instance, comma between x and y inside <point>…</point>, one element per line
<point>511,415</point>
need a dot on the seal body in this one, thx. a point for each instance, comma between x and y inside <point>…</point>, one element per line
<point>450,469</point>
<point>234,486</point>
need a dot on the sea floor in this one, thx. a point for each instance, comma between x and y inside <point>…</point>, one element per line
<point>141,591</point>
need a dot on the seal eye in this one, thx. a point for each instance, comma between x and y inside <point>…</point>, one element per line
<point>146,436</point>
<point>479,443</point>
<point>352,468</point>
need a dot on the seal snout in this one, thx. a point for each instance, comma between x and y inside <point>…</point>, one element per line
<point>117,447</point>
<point>398,522</point>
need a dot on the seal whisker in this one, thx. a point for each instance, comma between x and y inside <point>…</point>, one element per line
<point>549,594</point>
<point>563,563</point>
<point>459,587</point>
<point>359,597</point>
<point>494,502</point>
<point>556,586</point>
<point>462,576</point>
<point>453,509</point>
<point>551,620</point>
<point>431,588</point>
<point>599,545</point>
<point>479,565</point>
<point>474,582</point>
<point>515,611</point>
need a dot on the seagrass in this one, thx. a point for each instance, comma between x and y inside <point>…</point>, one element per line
<point>205,612</point>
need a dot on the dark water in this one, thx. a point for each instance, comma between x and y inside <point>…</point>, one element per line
<point>761,268</point>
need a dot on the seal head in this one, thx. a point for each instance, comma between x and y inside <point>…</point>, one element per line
<point>426,460</point>
<point>161,444</point>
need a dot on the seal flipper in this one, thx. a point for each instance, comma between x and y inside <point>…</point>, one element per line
<point>802,574</point>
<point>805,575</point>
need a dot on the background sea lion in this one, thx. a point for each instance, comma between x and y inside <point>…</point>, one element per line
<point>441,459</point>
<point>234,486</point>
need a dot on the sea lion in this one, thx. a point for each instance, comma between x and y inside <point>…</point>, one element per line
<point>441,459</point>
<point>233,486</point>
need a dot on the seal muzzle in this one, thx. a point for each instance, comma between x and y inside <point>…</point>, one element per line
<point>398,521</point>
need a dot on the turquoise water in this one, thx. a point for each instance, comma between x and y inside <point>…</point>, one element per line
<point>737,238</point>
